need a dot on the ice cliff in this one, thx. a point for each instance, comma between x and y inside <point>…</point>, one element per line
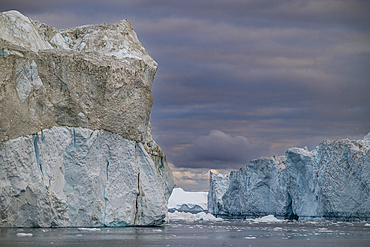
<point>75,137</point>
<point>329,182</point>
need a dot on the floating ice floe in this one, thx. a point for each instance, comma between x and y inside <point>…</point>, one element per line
<point>192,217</point>
<point>89,229</point>
<point>250,237</point>
<point>22,234</point>
<point>268,218</point>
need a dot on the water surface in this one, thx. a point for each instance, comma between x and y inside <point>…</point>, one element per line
<point>200,233</point>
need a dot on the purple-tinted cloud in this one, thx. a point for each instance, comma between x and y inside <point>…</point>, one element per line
<point>266,74</point>
<point>220,150</point>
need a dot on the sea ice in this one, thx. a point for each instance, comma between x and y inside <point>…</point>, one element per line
<point>250,237</point>
<point>22,234</point>
<point>89,229</point>
<point>192,217</point>
<point>268,218</point>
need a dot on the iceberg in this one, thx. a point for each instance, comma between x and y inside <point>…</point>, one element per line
<point>181,200</point>
<point>329,182</point>
<point>76,148</point>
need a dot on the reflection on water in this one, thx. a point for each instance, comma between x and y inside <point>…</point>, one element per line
<point>181,233</point>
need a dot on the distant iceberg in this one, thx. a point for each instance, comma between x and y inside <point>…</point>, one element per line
<point>329,182</point>
<point>181,200</point>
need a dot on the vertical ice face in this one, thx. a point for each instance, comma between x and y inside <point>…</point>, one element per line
<point>75,140</point>
<point>218,185</point>
<point>303,181</point>
<point>78,177</point>
<point>332,181</point>
<point>344,178</point>
<point>258,189</point>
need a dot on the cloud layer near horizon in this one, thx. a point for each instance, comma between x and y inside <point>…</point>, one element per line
<point>242,79</point>
<point>219,150</point>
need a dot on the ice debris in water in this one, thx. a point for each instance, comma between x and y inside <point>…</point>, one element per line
<point>22,234</point>
<point>192,217</point>
<point>250,237</point>
<point>268,218</point>
<point>89,229</point>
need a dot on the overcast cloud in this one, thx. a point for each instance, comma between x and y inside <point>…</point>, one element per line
<point>241,79</point>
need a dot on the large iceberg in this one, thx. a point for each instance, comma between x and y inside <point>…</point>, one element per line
<point>331,181</point>
<point>76,148</point>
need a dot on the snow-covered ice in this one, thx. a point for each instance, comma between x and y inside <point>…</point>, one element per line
<point>187,201</point>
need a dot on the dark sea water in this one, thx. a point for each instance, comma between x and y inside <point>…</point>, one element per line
<point>201,233</point>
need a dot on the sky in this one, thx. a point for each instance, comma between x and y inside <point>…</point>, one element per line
<point>240,79</point>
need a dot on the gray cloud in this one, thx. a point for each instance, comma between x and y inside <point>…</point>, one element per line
<point>267,74</point>
<point>220,150</point>
<point>239,12</point>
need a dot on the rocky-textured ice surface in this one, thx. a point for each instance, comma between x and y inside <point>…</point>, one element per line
<point>43,83</point>
<point>181,200</point>
<point>331,181</point>
<point>75,137</point>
